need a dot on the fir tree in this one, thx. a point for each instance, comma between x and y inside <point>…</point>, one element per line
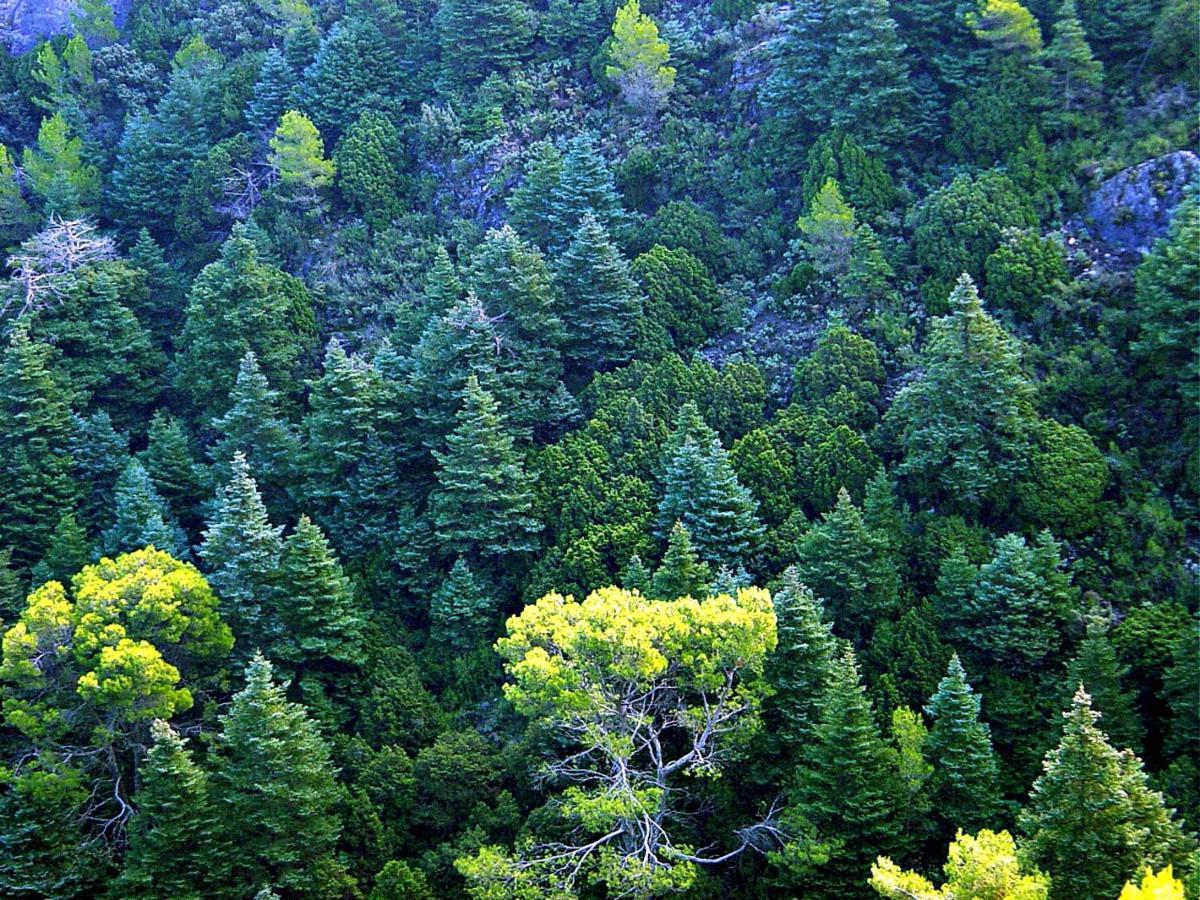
<point>1076,75</point>
<point>681,573</point>
<point>600,300</point>
<point>315,603</point>
<point>585,185</point>
<point>99,454</point>
<point>530,203</point>
<point>142,518</point>
<point>173,838</point>
<point>1094,803</point>
<point>35,432</point>
<point>367,176</point>
<point>845,794</point>
<point>478,37</point>
<point>241,552</point>
<point>271,93</point>
<point>800,669</point>
<point>16,218</point>
<point>355,69</point>
<point>164,295</point>
<point>965,788</point>
<point>172,467</point>
<point>274,787</point>
<point>460,612</point>
<point>69,551</point>
<point>635,576</point>
<point>482,506</point>
<point>1097,668</point>
<point>849,569</point>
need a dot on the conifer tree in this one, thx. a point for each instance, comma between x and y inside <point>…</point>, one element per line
<point>639,60</point>
<point>241,552</point>
<point>460,612</point>
<point>164,295</point>
<point>1182,777</point>
<point>828,230</point>
<point>68,552</point>
<point>965,788</point>
<point>482,505</point>
<point>35,432</point>
<point>142,518</point>
<point>355,69</point>
<point>173,847</point>
<point>314,601</point>
<point>172,467</point>
<point>635,576</point>
<point>585,185</point>
<point>298,158</point>
<point>800,669</point>
<point>963,426</point>
<point>275,789</point>
<point>271,93</point>
<point>1076,75</point>
<point>57,172</point>
<point>849,568</point>
<point>702,492</point>
<point>845,794</point>
<point>254,426</point>
<point>681,573</point>
<point>1094,803</point>
<point>367,176</point>
<point>479,37</point>
<point>600,297</point>
<point>16,218</point>
<point>530,204</point>
<point>99,454</point>
<point>1097,668</point>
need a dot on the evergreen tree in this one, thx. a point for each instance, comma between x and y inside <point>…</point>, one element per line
<point>800,670</point>
<point>367,175</point>
<point>1094,803</point>
<point>482,505</point>
<point>165,290</point>
<point>355,69</point>
<point>172,838</point>
<point>1076,76</point>
<point>69,551</point>
<point>298,158</point>
<point>585,185</point>
<point>635,576</point>
<point>1182,777</point>
<point>965,788</point>
<point>57,172</point>
<point>963,425</point>
<point>530,204</point>
<point>478,37</point>
<point>241,552</point>
<point>254,427</point>
<point>600,297</point>
<point>639,60</point>
<point>844,800</point>
<point>1096,667</point>
<point>16,218</point>
<point>236,304</point>
<point>35,432</point>
<point>681,573</point>
<point>849,568</point>
<point>99,454</point>
<point>142,518</point>
<point>271,93</point>
<point>173,469</point>
<point>315,603</point>
<point>275,790</point>
<point>460,612</point>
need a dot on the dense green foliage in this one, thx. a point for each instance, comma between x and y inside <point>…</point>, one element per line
<point>523,449</point>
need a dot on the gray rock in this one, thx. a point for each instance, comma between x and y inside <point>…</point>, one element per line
<point>1131,210</point>
<point>25,22</point>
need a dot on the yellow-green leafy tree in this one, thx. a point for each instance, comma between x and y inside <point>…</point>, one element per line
<point>985,866</point>
<point>639,60</point>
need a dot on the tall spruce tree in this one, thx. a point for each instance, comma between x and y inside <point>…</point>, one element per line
<point>482,505</point>
<point>173,849</point>
<point>241,552</point>
<point>142,518</point>
<point>584,185</point>
<point>681,572</point>
<point>275,790</point>
<point>35,432</point>
<point>964,781</point>
<point>68,552</point>
<point>1094,803</point>
<point>460,611</point>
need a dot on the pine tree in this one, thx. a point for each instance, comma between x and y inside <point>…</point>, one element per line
<point>1076,76</point>
<point>845,794</point>
<point>639,60</point>
<point>254,427</point>
<point>241,552</point>
<point>35,432</point>
<point>275,789</point>
<point>601,300</point>
<point>965,788</point>
<point>172,838</point>
<point>681,573</point>
<point>142,518</point>
<point>702,492</point>
<point>460,612</point>
<point>298,159</point>
<point>482,505</point>
<point>1094,803</point>
<point>271,93</point>
<point>800,670</point>
<point>315,603</point>
<point>849,568</point>
<point>963,426</point>
<point>68,552</point>
<point>828,229</point>
<point>1096,667</point>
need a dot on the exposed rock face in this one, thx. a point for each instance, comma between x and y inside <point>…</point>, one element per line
<point>1133,208</point>
<point>25,22</point>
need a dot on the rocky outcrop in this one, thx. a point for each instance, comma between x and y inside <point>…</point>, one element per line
<point>25,22</point>
<point>1131,210</point>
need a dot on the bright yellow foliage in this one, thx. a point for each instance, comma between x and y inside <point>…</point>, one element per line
<point>639,59</point>
<point>1006,24</point>
<point>980,867</point>
<point>1155,886</point>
